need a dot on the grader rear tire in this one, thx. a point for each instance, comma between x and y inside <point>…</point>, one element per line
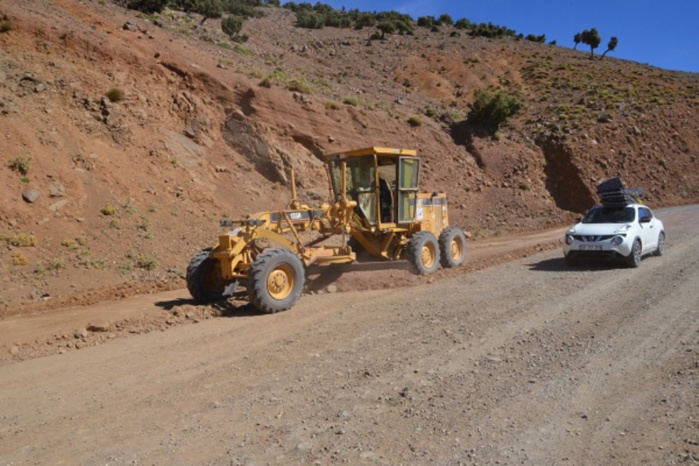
<point>452,246</point>
<point>204,280</point>
<point>423,253</point>
<point>275,280</point>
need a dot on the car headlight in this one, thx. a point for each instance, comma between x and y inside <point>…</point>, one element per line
<point>617,240</point>
<point>569,239</point>
<point>623,229</point>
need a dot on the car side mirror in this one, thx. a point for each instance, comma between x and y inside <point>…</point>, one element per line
<point>645,219</point>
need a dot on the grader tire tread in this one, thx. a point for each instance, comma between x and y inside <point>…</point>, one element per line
<point>204,281</point>
<point>423,253</point>
<point>275,280</point>
<point>452,247</point>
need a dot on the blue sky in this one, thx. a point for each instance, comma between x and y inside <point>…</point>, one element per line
<point>658,33</point>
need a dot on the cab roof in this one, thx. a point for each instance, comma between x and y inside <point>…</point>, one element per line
<point>374,150</point>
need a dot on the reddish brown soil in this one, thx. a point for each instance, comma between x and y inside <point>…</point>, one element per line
<point>197,137</point>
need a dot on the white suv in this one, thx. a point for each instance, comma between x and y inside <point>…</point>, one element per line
<point>626,233</point>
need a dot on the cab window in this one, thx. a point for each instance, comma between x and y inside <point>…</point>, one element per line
<point>361,176</point>
<point>408,170</point>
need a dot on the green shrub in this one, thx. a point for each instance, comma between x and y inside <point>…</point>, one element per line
<point>309,20</point>
<point>332,105</point>
<point>208,9</point>
<point>19,259</point>
<point>387,27</point>
<point>115,95</point>
<point>144,225</point>
<point>300,85</point>
<point>242,50</point>
<point>415,120</point>
<point>426,21</point>
<point>70,244</point>
<point>147,263</point>
<point>5,26</point>
<point>20,164</point>
<point>350,101</point>
<point>148,6</point>
<point>57,264</point>
<point>446,19</point>
<point>430,111</point>
<point>99,264</point>
<point>231,25</point>
<point>337,19</point>
<point>463,23</point>
<point>244,8</point>
<point>126,268</point>
<point>278,75</point>
<point>492,109</point>
<point>535,38</point>
<point>19,240</point>
<point>490,30</point>
<point>108,210</point>
<point>365,20</point>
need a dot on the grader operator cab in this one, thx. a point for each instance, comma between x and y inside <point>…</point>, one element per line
<point>376,206</point>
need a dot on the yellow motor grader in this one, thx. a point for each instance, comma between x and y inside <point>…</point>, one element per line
<point>375,205</point>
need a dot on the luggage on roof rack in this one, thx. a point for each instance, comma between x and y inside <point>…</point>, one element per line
<point>613,193</point>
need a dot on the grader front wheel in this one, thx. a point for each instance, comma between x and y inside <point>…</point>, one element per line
<point>423,253</point>
<point>204,279</point>
<point>275,280</point>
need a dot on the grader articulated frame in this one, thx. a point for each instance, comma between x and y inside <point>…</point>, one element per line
<point>375,205</point>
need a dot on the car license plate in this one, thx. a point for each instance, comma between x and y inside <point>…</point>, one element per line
<point>590,247</point>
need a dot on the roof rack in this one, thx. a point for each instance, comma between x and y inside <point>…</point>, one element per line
<point>613,193</point>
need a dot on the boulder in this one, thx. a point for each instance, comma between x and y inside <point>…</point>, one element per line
<point>31,195</point>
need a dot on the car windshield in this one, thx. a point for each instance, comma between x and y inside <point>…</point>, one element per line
<point>610,215</point>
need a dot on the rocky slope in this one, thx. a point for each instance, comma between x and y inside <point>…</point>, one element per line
<point>129,189</point>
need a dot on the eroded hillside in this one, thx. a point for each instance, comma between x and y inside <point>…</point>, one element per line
<point>129,189</point>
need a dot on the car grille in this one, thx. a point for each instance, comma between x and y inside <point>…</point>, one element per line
<point>592,238</point>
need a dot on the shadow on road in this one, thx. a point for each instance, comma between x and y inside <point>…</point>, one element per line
<point>224,308</point>
<point>318,277</point>
<point>558,264</point>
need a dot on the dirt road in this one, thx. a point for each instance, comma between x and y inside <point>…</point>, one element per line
<point>525,362</point>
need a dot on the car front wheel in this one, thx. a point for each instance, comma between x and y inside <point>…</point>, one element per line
<point>634,257</point>
<point>661,244</point>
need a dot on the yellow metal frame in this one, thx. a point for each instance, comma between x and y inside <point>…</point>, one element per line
<point>237,250</point>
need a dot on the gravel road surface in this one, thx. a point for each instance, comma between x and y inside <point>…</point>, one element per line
<point>526,362</point>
